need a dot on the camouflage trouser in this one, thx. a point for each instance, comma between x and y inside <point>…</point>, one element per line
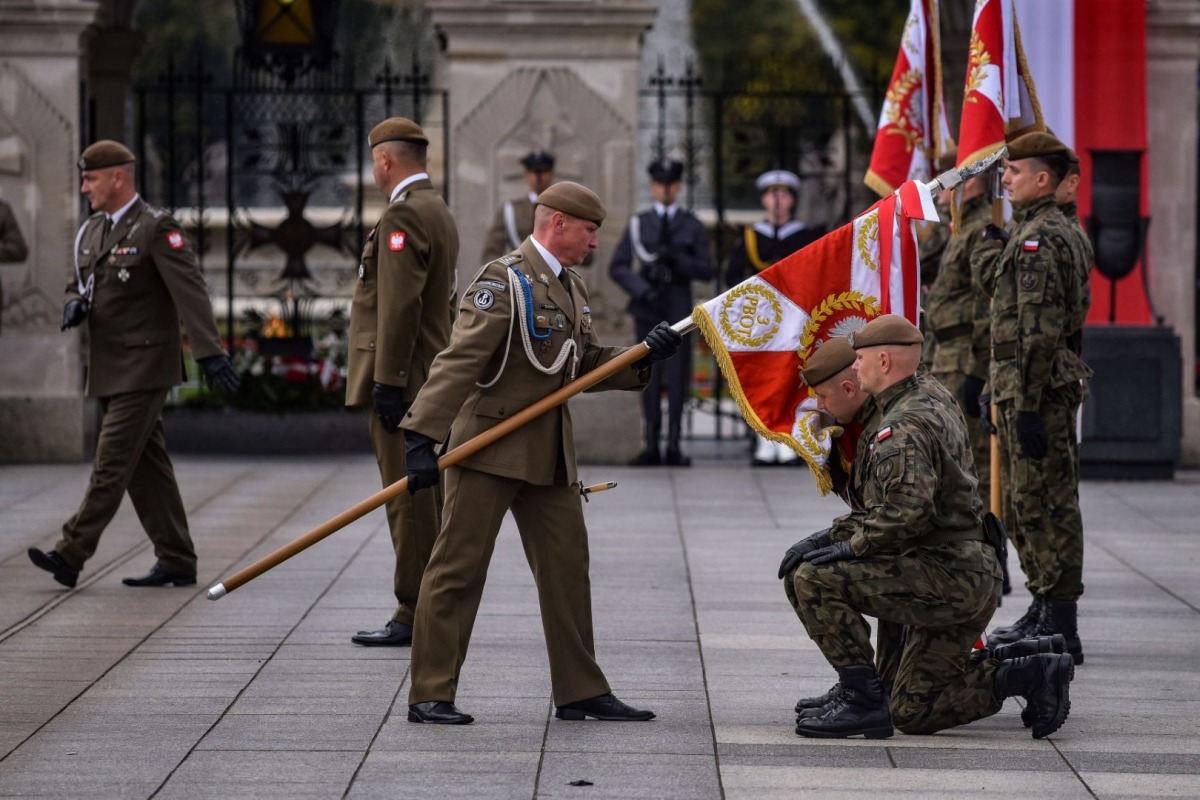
<point>889,638</point>
<point>981,442</point>
<point>937,684</point>
<point>1043,494</point>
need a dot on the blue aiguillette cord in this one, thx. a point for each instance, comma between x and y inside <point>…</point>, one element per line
<point>527,291</point>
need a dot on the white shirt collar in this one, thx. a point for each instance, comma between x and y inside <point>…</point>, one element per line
<point>555,266</point>
<point>784,231</point>
<point>120,212</point>
<point>404,184</point>
<point>670,210</point>
<point>533,196</point>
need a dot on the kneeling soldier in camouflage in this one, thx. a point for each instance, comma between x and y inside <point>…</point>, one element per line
<point>915,556</point>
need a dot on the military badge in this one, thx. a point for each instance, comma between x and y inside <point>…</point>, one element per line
<point>1029,280</point>
<point>396,241</point>
<point>884,470</point>
<point>484,299</point>
<point>884,433</point>
<point>497,286</point>
<point>542,279</point>
<point>1030,245</point>
<point>123,274</point>
<point>559,320</point>
<point>175,239</point>
<point>362,271</point>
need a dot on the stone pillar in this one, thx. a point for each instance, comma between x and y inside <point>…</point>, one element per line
<point>561,76</point>
<point>111,55</point>
<point>41,404</point>
<point>1172,60</point>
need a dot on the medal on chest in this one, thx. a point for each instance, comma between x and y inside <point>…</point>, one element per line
<point>123,275</point>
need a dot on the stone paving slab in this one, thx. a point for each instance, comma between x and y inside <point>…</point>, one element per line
<point>111,692</point>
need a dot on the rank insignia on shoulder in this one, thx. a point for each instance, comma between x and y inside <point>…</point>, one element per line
<point>484,299</point>
<point>175,239</point>
<point>884,433</point>
<point>499,286</point>
<point>396,241</point>
<point>510,259</point>
<point>1030,246</point>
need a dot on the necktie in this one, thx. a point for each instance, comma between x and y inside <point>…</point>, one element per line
<point>566,281</point>
<point>108,226</point>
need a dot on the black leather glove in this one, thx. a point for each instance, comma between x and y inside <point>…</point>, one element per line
<point>421,460</point>
<point>985,413</point>
<point>220,374</point>
<point>838,551</point>
<point>74,312</point>
<point>663,341</point>
<point>796,553</point>
<point>994,233</point>
<point>389,405</point>
<point>1031,433</point>
<point>968,395</point>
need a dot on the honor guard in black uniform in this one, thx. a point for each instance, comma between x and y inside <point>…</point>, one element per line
<point>662,251</point>
<point>761,245</point>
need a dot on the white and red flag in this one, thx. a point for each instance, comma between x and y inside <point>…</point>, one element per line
<point>763,330</point>
<point>1000,97</point>
<point>912,130</point>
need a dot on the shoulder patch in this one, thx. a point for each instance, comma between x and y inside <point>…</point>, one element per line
<point>396,241</point>
<point>1030,245</point>
<point>498,286</point>
<point>884,434</point>
<point>484,299</point>
<point>175,240</point>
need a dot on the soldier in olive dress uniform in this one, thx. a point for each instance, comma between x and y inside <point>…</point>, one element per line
<point>400,319</point>
<point>524,330</point>
<point>136,278</point>
<point>916,555</point>
<point>514,218</point>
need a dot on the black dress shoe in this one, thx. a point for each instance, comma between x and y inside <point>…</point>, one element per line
<point>394,634</point>
<point>649,457</point>
<point>438,713</point>
<point>161,576</point>
<point>54,563</point>
<point>676,458</point>
<point>606,706</point>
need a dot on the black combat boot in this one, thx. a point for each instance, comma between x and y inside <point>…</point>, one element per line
<point>1023,628</point>
<point>1060,617</point>
<point>1044,681</point>
<point>860,708</point>
<point>1029,647</point>
<point>820,700</point>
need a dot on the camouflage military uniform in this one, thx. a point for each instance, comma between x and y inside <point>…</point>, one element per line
<point>1040,298</point>
<point>931,243</point>
<point>950,315</point>
<point>921,562</point>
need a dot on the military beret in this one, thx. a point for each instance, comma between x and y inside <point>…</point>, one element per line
<point>666,170</point>
<point>778,177</point>
<point>538,161</point>
<point>105,153</point>
<point>887,329</point>
<point>397,129</point>
<point>829,359</point>
<point>574,199</point>
<point>1035,144</point>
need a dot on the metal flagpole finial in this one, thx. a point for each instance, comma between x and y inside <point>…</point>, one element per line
<point>953,177</point>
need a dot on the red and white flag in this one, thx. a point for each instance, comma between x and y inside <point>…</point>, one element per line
<point>1000,97</point>
<point>763,330</point>
<point>912,130</point>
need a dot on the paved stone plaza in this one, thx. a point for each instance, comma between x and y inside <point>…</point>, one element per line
<point>112,692</point>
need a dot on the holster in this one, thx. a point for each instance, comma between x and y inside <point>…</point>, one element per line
<point>995,535</point>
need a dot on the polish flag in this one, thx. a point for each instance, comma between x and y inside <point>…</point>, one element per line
<point>999,98</point>
<point>763,330</point>
<point>912,130</point>
<point>1088,58</point>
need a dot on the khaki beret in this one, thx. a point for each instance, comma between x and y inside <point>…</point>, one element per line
<point>887,329</point>
<point>574,199</point>
<point>105,153</point>
<point>829,359</point>
<point>1032,145</point>
<point>397,129</point>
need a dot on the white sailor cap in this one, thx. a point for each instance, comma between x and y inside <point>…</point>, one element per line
<point>778,177</point>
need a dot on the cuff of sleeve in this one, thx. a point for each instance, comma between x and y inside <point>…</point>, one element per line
<point>860,544</point>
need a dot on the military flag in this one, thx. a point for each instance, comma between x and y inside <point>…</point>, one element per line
<point>763,330</point>
<point>912,131</point>
<point>1000,97</point>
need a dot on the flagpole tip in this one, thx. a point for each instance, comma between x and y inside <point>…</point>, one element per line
<point>217,592</point>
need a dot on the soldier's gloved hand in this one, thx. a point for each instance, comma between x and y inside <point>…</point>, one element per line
<point>1031,433</point>
<point>421,460</point>
<point>985,413</point>
<point>663,341</point>
<point>838,551</point>
<point>796,553</point>
<point>388,403</point>
<point>994,233</point>
<point>968,395</point>
<point>74,312</point>
<point>220,374</point>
